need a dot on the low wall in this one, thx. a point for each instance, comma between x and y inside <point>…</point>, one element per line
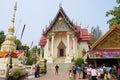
<point>3,71</point>
<point>29,69</point>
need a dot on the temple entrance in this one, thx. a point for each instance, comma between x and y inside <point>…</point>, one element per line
<point>61,49</point>
<point>61,52</point>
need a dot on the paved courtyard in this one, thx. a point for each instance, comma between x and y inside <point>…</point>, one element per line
<point>63,75</point>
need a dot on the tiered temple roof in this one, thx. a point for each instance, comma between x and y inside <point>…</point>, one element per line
<point>81,33</point>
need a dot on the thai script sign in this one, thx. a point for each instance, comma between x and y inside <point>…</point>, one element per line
<point>104,54</point>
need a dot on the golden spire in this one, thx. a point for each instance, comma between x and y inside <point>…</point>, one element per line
<point>9,43</point>
<point>11,29</point>
<point>13,18</point>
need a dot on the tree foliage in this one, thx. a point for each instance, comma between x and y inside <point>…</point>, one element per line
<point>2,37</point>
<point>115,13</point>
<point>29,61</point>
<point>18,44</point>
<point>79,61</point>
<point>96,33</point>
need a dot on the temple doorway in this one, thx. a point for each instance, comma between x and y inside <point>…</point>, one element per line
<point>61,52</point>
<point>61,49</point>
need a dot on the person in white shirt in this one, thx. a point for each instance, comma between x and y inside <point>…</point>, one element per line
<point>89,72</point>
<point>94,73</point>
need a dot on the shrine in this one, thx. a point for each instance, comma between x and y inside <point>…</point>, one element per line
<point>63,39</point>
<point>106,50</point>
<point>8,56</point>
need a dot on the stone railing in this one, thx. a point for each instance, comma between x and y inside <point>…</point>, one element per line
<point>29,69</point>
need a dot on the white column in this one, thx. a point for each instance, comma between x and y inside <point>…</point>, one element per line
<point>73,46</point>
<point>68,58</point>
<point>68,46</point>
<point>47,45</point>
<point>52,44</point>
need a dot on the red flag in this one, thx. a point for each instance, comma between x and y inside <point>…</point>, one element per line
<point>22,31</point>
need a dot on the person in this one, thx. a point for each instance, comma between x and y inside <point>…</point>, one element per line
<point>99,72</point>
<point>35,69</point>
<point>118,70</point>
<point>114,68</point>
<point>105,76</point>
<point>10,73</point>
<point>70,75</point>
<point>74,72</point>
<point>79,71</point>
<point>94,73</point>
<point>88,71</point>
<point>84,67</point>
<point>38,70</point>
<point>56,69</point>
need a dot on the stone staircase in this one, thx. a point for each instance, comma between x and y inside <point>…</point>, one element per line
<point>62,65</point>
<point>59,60</point>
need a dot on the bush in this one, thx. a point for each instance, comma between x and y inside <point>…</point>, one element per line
<point>29,61</point>
<point>17,73</point>
<point>79,61</point>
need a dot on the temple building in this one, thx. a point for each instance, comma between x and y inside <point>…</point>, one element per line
<point>106,50</point>
<point>64,39</point>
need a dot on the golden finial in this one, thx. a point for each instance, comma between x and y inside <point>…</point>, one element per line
<point>13,18</point>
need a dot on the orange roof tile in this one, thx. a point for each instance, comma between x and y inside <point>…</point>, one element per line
<point>2,54</point>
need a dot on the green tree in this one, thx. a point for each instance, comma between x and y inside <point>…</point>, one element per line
<point>96,33</point>
<point>18,44</point>
<point>34,49</point>
<point>115,13</point>
<point>2,37</point>
<point>79,61</point>
<point>29,61</point>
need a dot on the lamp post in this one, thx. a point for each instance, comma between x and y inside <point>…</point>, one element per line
<point>10,54</point>
<point>10,64</point>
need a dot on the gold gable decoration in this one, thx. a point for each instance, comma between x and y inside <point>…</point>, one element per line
<point>111,42</point>
<point>59,21</point>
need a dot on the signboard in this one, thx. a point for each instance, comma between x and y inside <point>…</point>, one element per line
<point>104,54</point>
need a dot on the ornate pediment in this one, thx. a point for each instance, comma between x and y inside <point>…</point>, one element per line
<point>112,41</point>
<point>60,25</point>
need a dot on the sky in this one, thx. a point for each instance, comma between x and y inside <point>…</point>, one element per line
<point>36,14</point>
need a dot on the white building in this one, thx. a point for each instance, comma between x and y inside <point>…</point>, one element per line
<point>63,38</point>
